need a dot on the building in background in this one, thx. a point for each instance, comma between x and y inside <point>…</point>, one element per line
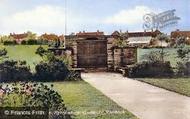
<point>176,34</point>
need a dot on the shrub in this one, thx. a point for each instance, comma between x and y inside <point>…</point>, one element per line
<point>10,42</point>
<point>26,94</point>
<point>23,42</point>
<point>3,52</point>
<point>51,71</point>
<point>183,69</point>
<point>32,42</point>
<point>151,69</point>
<point>12,71</point>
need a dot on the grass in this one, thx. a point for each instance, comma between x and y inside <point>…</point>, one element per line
<point>178,85</point>
<point>81,97</point>
<point>24,52</point>
<point>171,54</point>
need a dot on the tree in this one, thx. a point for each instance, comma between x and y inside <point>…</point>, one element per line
<point>7,38</point>
<point>162,37</point>
<point>45,54</point>
<point>183,52</point>
<point>120,40</point>
<point>30,36</point>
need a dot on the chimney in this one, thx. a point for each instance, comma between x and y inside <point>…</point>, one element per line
<point>83,31</point>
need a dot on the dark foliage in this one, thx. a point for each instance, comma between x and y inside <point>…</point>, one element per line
<point>51,71</point>
<point>183,52</point>
<point>32,42</point>
<point>10,42</point>
<point>28,94</point>
<point>151,69</point>
<point>23,42</point>
<point>3,52</point>
<point>183,69</point>
<point>14,71</point>
<point>41,51</point>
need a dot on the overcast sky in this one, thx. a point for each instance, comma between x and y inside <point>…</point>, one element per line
<point>48,16</point>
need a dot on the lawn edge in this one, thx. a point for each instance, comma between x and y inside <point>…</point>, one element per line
<point>162,87</point>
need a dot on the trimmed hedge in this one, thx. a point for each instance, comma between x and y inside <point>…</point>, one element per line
<point>51,71</point>
<point>10,42</point>
<point>32,42</point>
<point>13,71</point>
<point>150,69</point>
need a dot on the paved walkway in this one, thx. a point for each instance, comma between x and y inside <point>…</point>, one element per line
<point>143,100</point>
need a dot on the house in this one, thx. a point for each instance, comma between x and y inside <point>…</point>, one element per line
<point>138,39</point>
<point>178,33</point>
<point>19,37</point>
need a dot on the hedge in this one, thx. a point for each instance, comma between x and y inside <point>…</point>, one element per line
<point>150,69</point>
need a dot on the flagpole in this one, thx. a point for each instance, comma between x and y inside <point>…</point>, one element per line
<point>65,23</point>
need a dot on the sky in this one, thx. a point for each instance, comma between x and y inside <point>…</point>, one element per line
<point>48,16</point>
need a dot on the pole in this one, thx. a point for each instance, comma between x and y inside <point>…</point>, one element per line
<point>65,23</point>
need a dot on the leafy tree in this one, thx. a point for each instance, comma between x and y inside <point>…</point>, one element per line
<point>30,36</point>
<point>120,40</point>
<point>7,38</point>
<point>162,37</point>
<point>45,54</point>
<point>183,52</point>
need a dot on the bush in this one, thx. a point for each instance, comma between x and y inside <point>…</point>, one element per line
<point>10,42</point>
<point>23,42</point>
<point>51,71</point>
<point>3,52</point>
<point>151,69</point>
<point>32,42</point>
<point>183,69</point>
<point>12,71</point>
<point>26,94</point>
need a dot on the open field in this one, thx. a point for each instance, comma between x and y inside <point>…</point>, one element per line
<point>179,85</point>
<point>81,97</point>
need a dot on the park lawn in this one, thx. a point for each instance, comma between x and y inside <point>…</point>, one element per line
<point>179,85</point>
<point>80,97</point>
<point>24,52</point>
<point>171,54</point>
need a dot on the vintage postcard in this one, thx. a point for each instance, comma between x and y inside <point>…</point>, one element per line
<point>94,59</point>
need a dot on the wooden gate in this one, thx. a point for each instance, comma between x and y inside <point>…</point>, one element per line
<point>91,53</point>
